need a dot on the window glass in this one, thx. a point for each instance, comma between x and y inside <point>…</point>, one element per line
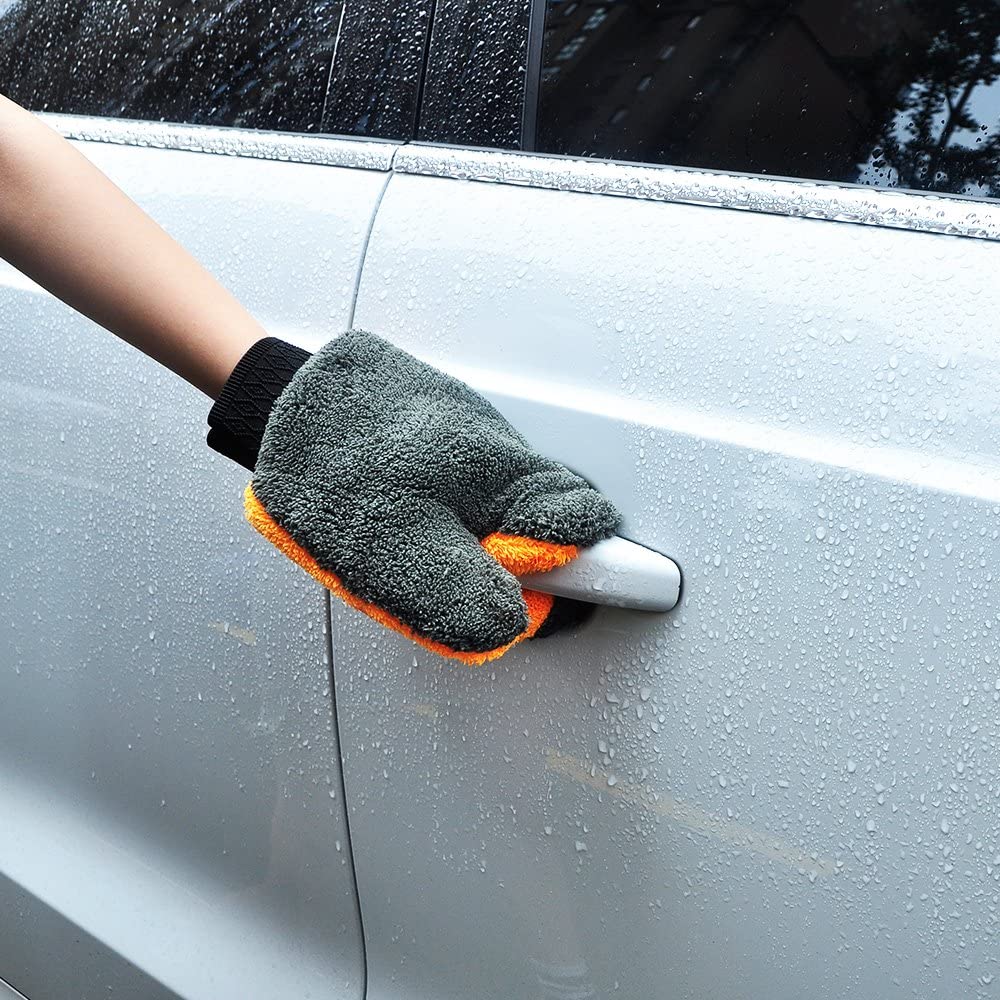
<point>474,83</point>
<point>893,93</point>
<point>375,82</point>
<point>250,63</point>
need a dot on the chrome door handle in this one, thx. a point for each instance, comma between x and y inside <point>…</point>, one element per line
<point>616,572</point>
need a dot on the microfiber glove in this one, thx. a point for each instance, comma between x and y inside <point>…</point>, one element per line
<point>410,497</point>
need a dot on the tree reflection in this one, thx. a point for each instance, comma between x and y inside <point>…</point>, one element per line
<point>944,132</point>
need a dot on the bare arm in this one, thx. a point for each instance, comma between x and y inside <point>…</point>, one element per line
<point>67,227</point>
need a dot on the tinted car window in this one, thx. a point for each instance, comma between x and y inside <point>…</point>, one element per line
<point>475,79</point>
<point>251,63</point>
<point>894,93</point>
<point>375,82</point>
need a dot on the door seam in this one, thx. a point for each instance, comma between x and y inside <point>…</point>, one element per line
<point>328,626</point>
<point>7,992</point>
<point>367,240</point>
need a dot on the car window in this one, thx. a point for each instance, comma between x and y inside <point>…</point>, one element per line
<point>247,63</point>
<point>476,74</point>
<point>892,93</point>
<point>376,76</point>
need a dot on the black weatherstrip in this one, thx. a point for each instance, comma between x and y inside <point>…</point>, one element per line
<point>377,70</point>
<point>475,78</point>
<point>533,74</point>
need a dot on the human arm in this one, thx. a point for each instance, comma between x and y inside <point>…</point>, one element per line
<point>399,488</point>
<point>66,226</point>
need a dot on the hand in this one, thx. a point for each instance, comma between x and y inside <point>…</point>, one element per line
<point>409,496</point>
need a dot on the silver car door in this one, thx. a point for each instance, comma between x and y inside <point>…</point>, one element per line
<point>797,760</point>
<point>173,822</point>
<point>785,785</point>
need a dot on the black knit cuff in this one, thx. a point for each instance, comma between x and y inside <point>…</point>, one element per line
<point>239,416</point>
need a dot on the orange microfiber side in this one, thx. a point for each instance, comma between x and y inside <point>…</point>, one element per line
<point>539,605</point>
<point>520,555</point>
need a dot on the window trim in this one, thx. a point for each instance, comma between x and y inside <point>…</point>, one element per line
<point>293,147</point>
<point>915,211</point>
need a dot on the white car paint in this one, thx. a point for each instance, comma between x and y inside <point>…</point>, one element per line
<point>789,782</point>
<point>173,821</point>
<point>785,784</point>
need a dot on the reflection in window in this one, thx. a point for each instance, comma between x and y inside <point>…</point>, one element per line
<point>894,93</point>
<point>251,63</point>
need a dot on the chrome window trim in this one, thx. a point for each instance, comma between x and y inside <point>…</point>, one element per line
<point>853,203</point>
<point>911,210</point>
<point>334,151</point>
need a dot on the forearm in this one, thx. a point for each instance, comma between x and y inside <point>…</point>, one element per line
<point>68,228</point>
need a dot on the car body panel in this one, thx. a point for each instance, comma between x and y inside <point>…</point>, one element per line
<point>9,993</point>
<point>788,779</point>
<point>173,814</point>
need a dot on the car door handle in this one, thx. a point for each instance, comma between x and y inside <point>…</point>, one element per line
<point>616,572</point>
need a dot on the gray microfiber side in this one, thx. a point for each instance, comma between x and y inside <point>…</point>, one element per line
<point>388,472</point>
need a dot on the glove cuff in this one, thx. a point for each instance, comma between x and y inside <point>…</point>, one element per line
<point>239,416</point>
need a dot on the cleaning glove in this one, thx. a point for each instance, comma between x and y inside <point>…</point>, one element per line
<point>405,492</point>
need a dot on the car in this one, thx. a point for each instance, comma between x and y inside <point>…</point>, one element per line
<point>736,265</point>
